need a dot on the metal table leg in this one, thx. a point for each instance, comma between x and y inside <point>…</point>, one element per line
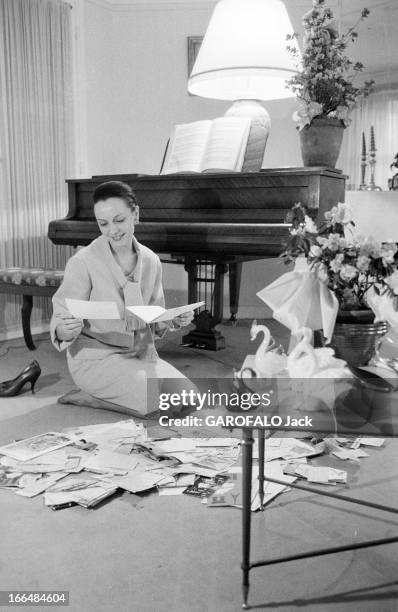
<point>247,458</point>
<point>261,445</point>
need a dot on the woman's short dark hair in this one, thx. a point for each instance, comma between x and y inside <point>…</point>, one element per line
<point>115,189</point>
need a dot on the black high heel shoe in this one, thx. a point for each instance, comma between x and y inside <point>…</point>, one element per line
<point>31,373</point>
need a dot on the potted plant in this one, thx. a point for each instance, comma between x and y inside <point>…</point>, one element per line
<point>324,84</point>
<point>358,270</point>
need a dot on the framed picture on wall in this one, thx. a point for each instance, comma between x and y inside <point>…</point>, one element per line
<point>194,43</point>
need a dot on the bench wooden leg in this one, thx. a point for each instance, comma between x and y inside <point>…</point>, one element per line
<point>26,310</point>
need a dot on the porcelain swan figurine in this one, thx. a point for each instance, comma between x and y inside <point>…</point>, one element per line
<point>305,361</point>
<point>302,361</point>
<point>267,360</point>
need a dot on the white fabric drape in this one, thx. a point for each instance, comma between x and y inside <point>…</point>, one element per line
<point>36,147</point>
<point>379,110</point>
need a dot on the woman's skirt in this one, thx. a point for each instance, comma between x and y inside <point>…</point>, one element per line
<point>125,380</point>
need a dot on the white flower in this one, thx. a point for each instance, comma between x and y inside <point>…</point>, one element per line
<point>322,241</point>
<point>388,257</point>
<point>392,281</point>
<point>387,252</point>
<point>298,231</point>
<point>321,272</point>
<point>310,226</point>
<point>342,213</point>
<point>341,113</point>
<point>334,242</point>
<point>315,251</point>
<point>306,113</point>
<point>369,246</point>
<point>337,262</point>
<point>363,263</point>
<point>348,272</point>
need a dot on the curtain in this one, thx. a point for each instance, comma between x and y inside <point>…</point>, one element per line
<point>379,110</point>
<point>36,137</point>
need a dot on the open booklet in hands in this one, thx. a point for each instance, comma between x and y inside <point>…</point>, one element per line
<point>156,314</point>
<point>83,309</point>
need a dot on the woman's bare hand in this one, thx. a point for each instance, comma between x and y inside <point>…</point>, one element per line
<point>183,319</point>
<point>69,328</point>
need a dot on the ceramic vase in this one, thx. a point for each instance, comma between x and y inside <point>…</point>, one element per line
<point>320,141</point>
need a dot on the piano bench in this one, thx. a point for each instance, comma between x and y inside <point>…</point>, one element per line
<point>29,282</point>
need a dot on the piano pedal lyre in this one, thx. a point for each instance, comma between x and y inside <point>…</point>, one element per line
<point>206,283</point>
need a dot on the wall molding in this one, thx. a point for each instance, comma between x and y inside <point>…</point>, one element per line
<point>384,80</point>
<point>153,5</point>
<point>352,10</point>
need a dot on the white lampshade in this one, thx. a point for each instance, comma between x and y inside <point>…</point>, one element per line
<point>243,55</point>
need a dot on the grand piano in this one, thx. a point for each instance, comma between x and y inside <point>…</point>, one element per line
<point>209,222</point>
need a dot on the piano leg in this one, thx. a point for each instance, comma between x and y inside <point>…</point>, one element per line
<point>204,335</point>
<point>235,275</point>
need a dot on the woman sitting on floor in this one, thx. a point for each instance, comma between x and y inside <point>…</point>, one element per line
<point>115,360</point>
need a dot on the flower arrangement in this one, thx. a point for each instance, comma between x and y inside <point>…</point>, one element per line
<point>324,83</point>
<point>347,263</point>
<point>394,163</point>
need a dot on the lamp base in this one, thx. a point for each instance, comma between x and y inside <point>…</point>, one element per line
<point>259,131</point>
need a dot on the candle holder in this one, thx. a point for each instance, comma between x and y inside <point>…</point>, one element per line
<point>371,186</point>
<point>363,186</point>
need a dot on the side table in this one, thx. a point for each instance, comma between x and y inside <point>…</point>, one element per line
<point>247,463</point>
